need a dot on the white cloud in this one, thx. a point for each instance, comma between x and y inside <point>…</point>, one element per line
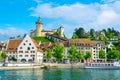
<point>94,15</point>
<point>10,32</point>
<point>107,17</point>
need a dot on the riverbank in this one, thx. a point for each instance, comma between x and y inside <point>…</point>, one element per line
<point>56,65</point>
<point>21,67</point>
<point>44,65</point>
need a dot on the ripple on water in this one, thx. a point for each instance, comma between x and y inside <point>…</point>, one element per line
<point>59,74</point>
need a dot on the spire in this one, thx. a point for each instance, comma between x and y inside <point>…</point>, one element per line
<point>39,21</point>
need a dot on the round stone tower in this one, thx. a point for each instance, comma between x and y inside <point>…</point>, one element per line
<point>39,27</point>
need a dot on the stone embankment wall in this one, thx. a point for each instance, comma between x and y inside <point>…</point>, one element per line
<point>55,65</point>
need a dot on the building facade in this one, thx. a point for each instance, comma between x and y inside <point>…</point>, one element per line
<point>85,45</point>
<point>26,50</point>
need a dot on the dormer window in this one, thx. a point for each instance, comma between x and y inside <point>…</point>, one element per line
<point>24,44</point>
<point>26,40</point>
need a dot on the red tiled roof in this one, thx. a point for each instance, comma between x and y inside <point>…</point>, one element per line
<point>13,45</point>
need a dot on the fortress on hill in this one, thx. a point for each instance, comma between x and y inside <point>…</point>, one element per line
<point>39,32</point>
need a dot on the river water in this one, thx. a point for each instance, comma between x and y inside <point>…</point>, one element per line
<point>59,74</point>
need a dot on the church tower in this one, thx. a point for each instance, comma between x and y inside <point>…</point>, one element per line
<point>39,27</point>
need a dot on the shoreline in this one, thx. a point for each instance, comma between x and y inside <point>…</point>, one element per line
<point>44,66</point>
<point>21,67</point>
<point>55,65</point>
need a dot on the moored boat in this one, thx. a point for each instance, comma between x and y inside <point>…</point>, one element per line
<point>102,65</point>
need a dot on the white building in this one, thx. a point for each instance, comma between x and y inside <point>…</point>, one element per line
<point>85,45</point>
<point>26,50</point>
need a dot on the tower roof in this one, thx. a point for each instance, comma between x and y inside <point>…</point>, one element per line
<point>39,21</point>
<point>61,27</point>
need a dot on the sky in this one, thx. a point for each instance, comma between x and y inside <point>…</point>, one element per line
<point>18,17</point>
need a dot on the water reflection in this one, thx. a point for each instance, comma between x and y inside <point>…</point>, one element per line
<point>59,74</point>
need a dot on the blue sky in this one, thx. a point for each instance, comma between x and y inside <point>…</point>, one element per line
<point>19,16</point>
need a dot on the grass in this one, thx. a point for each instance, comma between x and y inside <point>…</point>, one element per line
<point>43,39</point>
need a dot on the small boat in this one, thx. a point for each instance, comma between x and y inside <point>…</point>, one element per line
<point>102,65</point>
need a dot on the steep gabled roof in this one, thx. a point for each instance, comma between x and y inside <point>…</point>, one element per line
<point>13,45</point>
<point>37,45</point>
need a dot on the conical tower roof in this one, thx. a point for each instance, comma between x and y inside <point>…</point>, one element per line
<point>39,21</point>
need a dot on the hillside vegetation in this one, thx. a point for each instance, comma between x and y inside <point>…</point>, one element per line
<point>43,39</point>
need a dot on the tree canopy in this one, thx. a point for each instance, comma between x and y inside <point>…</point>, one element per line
<point>58,52</point>
<point>72,52</point>
<point>88,55</point>
<point>102,54</point>
<point>3,55</point>
<point>48,53</point>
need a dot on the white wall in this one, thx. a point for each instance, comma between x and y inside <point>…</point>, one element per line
<point>25,44</point>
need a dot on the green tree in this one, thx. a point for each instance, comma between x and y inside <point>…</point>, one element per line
<point>79,55</point>
<point>19,37</point>
<point>110,35</point>
<point>92,32</point>
<point>48,53</point>
<point>113,53</point>
<point>58,52</point>
<point>12,38</point>
<point>74,36</point>
<point>72,52</point>
<point>3,56</point>
<point>104,30</point>
<point>88,55</point>
<point>80,32</point>
<point>102,54</point>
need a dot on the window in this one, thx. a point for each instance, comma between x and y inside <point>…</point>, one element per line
<point>26,51</point>
<point>29,43</point>
<point>20,47</point>
<point>32,55</point>
<point>26,40</point>
<point>32,47</point>
<point>24,44</point>
<point>20,51</point>
<point>20,55</point>
<point>28,48</point>
<point>26,55</point>
<point>32,51</point>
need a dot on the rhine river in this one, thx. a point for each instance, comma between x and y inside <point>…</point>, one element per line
<point>59,74</point>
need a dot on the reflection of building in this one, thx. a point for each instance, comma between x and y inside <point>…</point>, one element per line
<point>27,50</point>
<point>85,45</point>
<point>40,32</point>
